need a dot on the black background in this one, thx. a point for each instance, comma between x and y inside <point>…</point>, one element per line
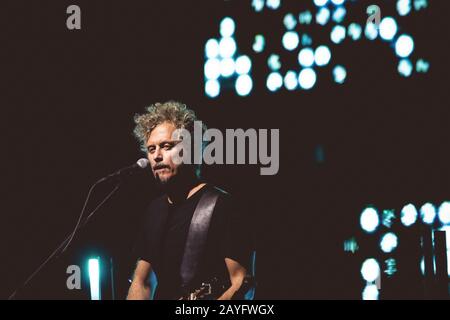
<point>70,101</point>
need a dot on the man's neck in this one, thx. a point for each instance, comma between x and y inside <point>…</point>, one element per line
<point>181,194</point>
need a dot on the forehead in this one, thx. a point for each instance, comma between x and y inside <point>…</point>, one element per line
<point>162,132</point>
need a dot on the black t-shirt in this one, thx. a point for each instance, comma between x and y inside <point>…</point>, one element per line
<point>164,237</point>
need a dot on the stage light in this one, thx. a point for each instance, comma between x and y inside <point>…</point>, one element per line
<point>306,57</point>
<point>339,74</point>
<point>305,17</point>
<point>369,219</point>
<point>370,292</point>
<point>338,34</point>
<point>274,62</point>
<point>273,4</point>
<point>444,213</point>
<point>290,40</point>
<point>370,270</point>
<point>388,28</point>
<point>389,242</point>
<point>212,69</point>
<point>354,31</point>
<point>244,85</point>
<point>408,215</point>
<point>94,278</point>
<point>307,78</point>
<point>403,7</point>
<point>422,66</point>
<point>351,245</point>
<point>320,3</point>
<point>391,266</point>
<point>371,31</point>
<point>212,88</point>
<point>227,27</point>
<point>447,240</point>
<point>322,16</point>
<point>243,65</point>
<point>404,46</point>
<point>339,14</point>
<point>337,2</point>
<point>227,67</point>
<point>387,217</point>
<point>259,43</point>
<point>227,47</point>
<point>306,40</point>
<point>420,4</point>
<point>428,213</point>
<point>274,81</point>
<point>405,67</point>
<point>422,266</point>
<point>258,5</point>
<point>212,48</point>
<point>290,80</point>
<point>289,21</point>
<point>322,56</point>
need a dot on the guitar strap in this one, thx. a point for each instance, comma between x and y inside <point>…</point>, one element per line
<point>198,231</point>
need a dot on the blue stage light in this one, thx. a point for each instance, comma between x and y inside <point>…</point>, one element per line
<point>339,74</point>
<point>290,40</point>
<point>212,88</point>
<point>306,57</point>
<point>337,34</point>
<point>388,28</point>
<point>322,56</point>
<point>404,46</point>
<point>274,81</point>
<point>244,85</point>
<point>290,80</point>
<point>227,27</point>
<point>307,78</point>
<point>428,213</point>
<point>408,215</point>
<point>243,65</point>
<point>212,69</point>
<point>227,47</point>
<point>389,242</point>
<point>94,278</point>
<point>212,48</point>
<point>369,219</point>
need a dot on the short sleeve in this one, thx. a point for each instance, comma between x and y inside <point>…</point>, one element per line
<point>149,236</point>
<point>236,239</point>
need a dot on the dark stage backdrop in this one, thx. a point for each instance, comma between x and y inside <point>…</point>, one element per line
<point>70,101</point>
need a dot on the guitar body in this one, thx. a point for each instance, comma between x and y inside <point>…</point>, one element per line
<point>209,290</point>
<point>215,287</point>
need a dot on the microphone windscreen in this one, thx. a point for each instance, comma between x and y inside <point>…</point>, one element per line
<point>143,163</point>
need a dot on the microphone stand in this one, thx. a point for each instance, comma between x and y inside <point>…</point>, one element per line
<point>65,244</point>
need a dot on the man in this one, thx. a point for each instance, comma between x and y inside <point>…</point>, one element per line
<point>162,247</point>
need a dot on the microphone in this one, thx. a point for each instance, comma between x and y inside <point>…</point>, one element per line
<point>127,171</point>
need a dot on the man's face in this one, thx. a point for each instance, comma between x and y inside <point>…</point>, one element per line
<point>161,150</point>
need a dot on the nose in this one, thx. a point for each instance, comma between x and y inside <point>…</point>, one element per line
<point>157,155</point>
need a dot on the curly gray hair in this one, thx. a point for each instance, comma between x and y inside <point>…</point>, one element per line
<point>171,111</point>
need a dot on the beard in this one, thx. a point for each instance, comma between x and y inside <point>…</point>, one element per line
<point>165,180</point>
<point>184,176</point>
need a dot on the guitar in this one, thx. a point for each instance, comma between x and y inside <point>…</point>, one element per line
<point>209,290</point>
<point>215,287</point>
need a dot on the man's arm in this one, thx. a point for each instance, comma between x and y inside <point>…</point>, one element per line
<point>237,274</point>
<point>140,288</point>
